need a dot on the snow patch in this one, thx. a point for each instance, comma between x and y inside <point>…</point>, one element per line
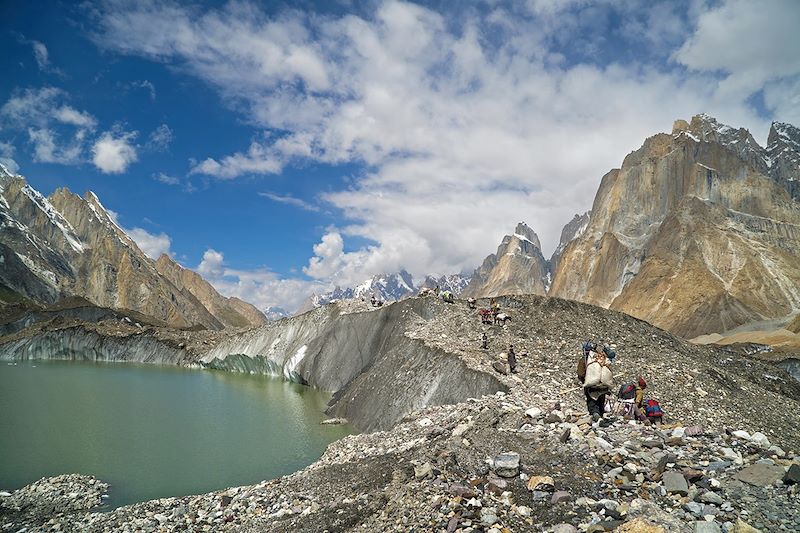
<point>290,368</point>
<point>55,217</point>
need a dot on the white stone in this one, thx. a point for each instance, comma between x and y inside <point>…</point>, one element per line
<point>741,434</point>
<point>424,422</point>
<point>533,412</point>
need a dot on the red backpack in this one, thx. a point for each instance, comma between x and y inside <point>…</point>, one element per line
<point>653,409</point>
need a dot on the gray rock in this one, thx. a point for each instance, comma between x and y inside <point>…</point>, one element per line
<point>706,527</point>
<point>675,483</point>
<point>792,475</point>
<point>565,528</point>
<point>761,475</point>
<point>711,497</point>
<point>560,496</point>
<point>488,516</point>
<point>693,507</point>
<point>507,464</point>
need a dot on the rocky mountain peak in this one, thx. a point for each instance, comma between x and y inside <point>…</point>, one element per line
<point>571,231</point>
<point>518,267</point>
<point>524,232</point>
<point>783,156</point>
<point>701,211</point>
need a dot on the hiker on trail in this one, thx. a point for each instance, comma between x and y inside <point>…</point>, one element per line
<point>632,397</point>
<point>484,341</point>
<point>471,303</point>
<point>373,300</point>
<point>594,372</point>
<point>512,359</point>
<point>447,296</point>
<point>495,307</point>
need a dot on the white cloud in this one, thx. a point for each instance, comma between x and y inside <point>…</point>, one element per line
<point>465,124</point>
<point>257,160</point>
<point>152,244</point>
<point>289,200</point>
<point>148,86</point>
<point>112,153</point>
<point>56,130</point>
<point>260,287</point>
<point>166,179</point>
<point>751,42</point>
<point>41,55</point>
<point>160,138</point>
<point>7,157</point>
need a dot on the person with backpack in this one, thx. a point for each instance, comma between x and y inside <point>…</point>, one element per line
<point>594,372</point>
<point>632,396</point>
<point>653,411</point>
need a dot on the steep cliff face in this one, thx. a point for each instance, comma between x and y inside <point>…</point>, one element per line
<point>65,245</point>
<point>232,312</point>
<point>573,229</point>
<point>518,267</point>
<point>692,234</point>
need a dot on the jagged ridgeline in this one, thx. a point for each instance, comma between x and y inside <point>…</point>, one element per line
<point>67,246</point>
<point>698,232</point>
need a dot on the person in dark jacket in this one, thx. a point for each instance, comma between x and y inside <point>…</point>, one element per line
<point>512,359</point>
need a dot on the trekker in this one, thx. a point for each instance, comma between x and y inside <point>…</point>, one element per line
<point>512,359</point>
<point>471,303</point>
<point>484,341</point>
<point>594,372</point>
<point>495,307</point>
<point>632,396</point>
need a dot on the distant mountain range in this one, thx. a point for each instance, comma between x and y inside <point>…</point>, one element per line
<point>386,287</point>
<point>67,246</point>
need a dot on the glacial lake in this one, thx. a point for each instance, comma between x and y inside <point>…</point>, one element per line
<point>155,431</point>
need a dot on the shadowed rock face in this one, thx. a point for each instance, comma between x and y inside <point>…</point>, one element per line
<point>66,245</point>
<point>692,234</point>
<point>518,267</point>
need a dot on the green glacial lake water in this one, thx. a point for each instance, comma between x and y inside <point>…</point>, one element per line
<point>155,431</point>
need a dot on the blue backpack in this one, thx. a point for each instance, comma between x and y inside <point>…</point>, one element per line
<point>652,409</point>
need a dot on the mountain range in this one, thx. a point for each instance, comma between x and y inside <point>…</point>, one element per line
<point>66,245</point>
<point>697,232</point>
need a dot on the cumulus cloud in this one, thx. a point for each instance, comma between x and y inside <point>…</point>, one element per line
<point>113,152</point>
<point>260,287</point>
<point>770,53</point>
<point>152,244</point>
<point>465,122</point>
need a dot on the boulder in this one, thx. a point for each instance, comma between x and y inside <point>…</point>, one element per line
<point>560,496</point>
<point>422,471</point>
<point>640,525</point>
<point>743,527</point>
<point>706,527</point>
<point>711,497</point>
<point>675,483</point>
<point>502,368</point>
<point>761,475</point>
<point>533,412</point>
<point>507,464</point>
<point>792,475</point>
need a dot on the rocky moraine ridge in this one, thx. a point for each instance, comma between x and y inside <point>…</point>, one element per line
<point>459,446</point>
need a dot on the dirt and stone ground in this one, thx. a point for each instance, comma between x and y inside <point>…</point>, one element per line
<point>528,460</point>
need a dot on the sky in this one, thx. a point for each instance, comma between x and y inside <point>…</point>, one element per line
<point>283,148</point>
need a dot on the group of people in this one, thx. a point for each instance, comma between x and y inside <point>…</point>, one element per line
<point>597,379</point>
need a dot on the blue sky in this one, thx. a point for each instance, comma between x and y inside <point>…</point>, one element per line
<point>283,148</point>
